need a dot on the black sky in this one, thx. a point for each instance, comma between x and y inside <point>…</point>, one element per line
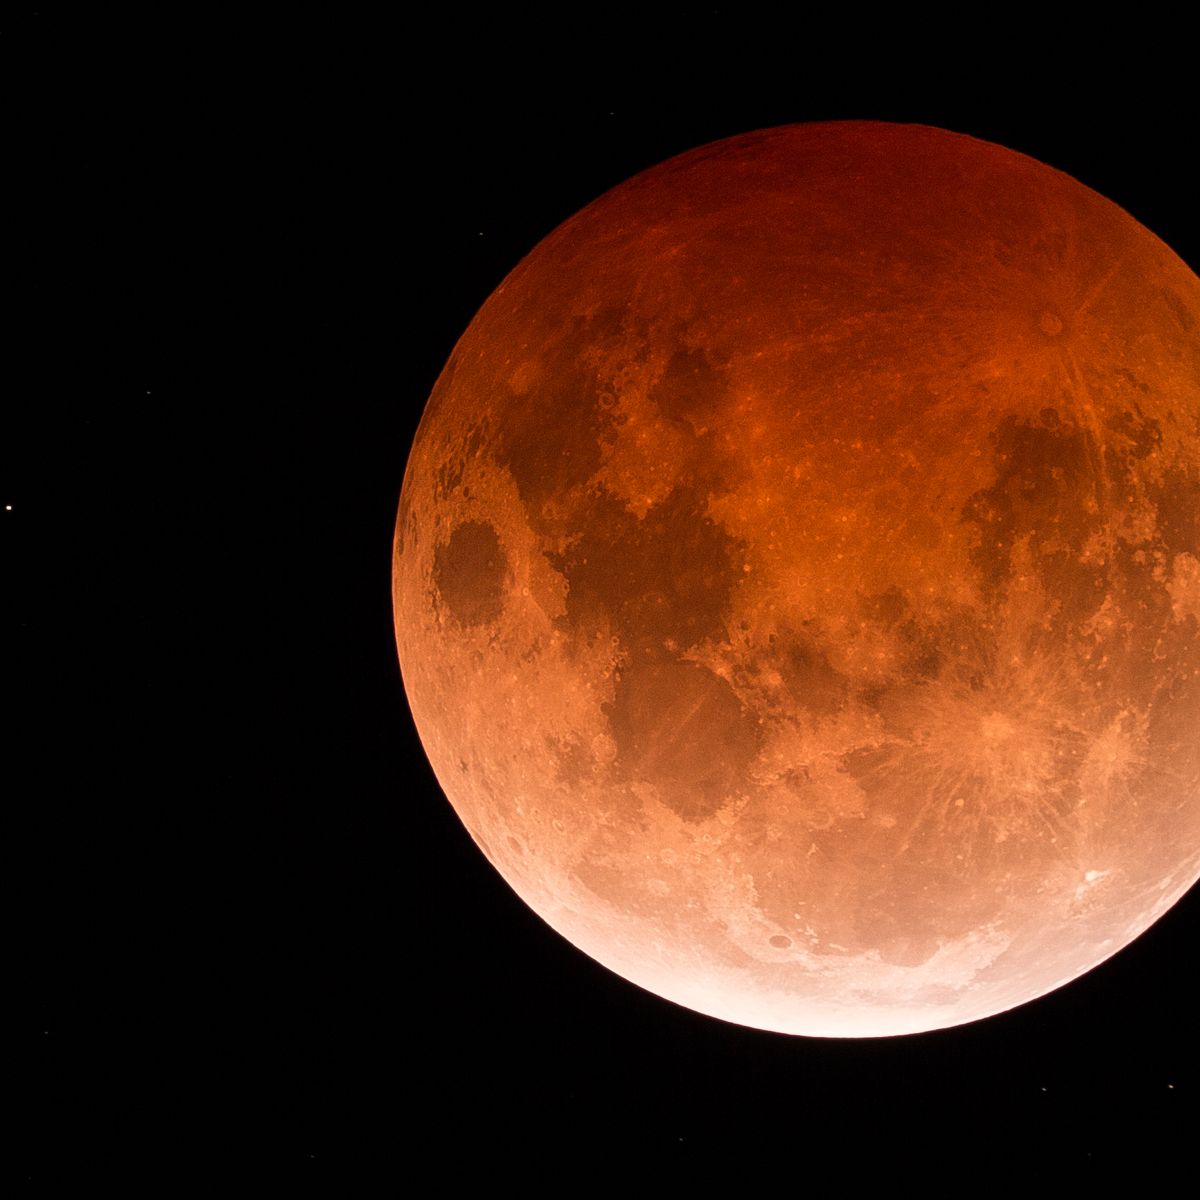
<point>254,940</point>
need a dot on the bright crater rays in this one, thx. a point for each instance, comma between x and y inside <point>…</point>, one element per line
<point>796,579</point>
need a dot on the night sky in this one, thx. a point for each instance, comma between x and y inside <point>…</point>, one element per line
<point>255,943</point>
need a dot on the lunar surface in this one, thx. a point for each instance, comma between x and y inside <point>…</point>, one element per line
<point>797,579</point>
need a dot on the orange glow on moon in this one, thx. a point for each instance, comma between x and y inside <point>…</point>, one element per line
<point>797,579</point>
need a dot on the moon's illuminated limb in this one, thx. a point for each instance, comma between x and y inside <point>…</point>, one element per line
<point>797,579</point>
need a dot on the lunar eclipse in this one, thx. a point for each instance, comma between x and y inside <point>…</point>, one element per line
<point>797,579</point>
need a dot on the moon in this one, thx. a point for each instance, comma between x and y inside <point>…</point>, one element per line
<point>796,579</point>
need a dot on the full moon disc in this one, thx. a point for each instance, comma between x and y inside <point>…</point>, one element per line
<point>797,579</point>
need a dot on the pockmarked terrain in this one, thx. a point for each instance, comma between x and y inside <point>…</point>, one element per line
<point>797,579</point>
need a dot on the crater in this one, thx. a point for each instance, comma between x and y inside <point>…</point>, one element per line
<point>469,572</point>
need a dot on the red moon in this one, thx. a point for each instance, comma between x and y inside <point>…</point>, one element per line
<point>797,579</point>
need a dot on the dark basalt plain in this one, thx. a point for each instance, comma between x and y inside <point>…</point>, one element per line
<point>797,579</point>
